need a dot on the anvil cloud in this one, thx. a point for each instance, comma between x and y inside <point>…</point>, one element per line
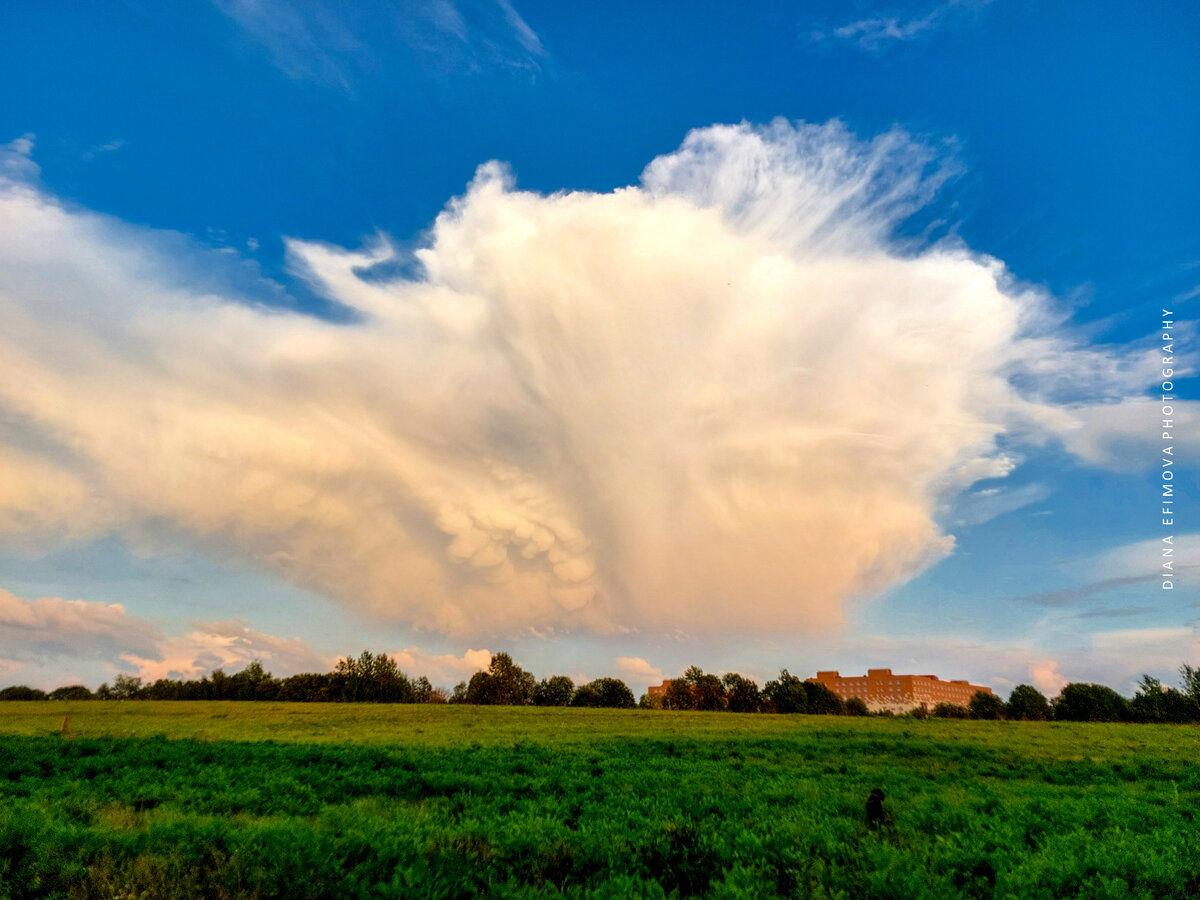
<point>726,397</point>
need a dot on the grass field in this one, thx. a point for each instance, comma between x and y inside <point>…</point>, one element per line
<point>191,800</point>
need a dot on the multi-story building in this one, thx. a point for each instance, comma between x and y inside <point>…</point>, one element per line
<point>881,690</point>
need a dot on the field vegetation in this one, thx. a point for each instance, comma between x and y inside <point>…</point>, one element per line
<point>178,800</point>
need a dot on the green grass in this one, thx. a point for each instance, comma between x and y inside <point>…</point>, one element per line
<point>191,800</point>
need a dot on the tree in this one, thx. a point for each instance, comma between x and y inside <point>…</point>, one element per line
<point>614,693</point>
<point>22,692</point>
<point>588,695</point>
<point>125,687</point>
<point>1191,681</point>
<point>556,690</point>
<point>786,694</point>
<point>1148,702</point>
<point>254,672</point>
<point>1028,703</point>
<point>822,701</point>
<point>372,678</point>
<point>986,705</point>
<point>503,684</point>
<point>422,690</point>
<point>678,695</point>
<point>707,690</point>
<point>741,694</point>
<point>1155,702</point>
<point>1083,702</point>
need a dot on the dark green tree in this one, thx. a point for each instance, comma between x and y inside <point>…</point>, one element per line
<point>503,684</point>
<point>1190,683</point>
<point>741,694</point>
<point>22,692</point>
<point>1028,703</point>
<point>554,691</point>
<point>604,692</point>
<point>707,690</point>
<point>822,701</point>
<point>1083,702</point>
<point>125,687</point>
<point>678,695</point>
<point>786,694</point>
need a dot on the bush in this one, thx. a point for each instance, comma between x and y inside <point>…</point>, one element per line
<point>951,711</point>
<point>986,705</point>
<point>856,706</point>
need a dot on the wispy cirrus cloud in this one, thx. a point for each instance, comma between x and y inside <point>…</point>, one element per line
<point>876,32</point>
<point>337,45</point>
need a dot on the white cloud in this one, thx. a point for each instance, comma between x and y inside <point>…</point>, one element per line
<point>719,398</point>
<point>336,44</point>
<point>50,628</point>
<point>16,160</point>
<point>880,31</point>
<point>1047,678</point>
<point>1127,434</point>
<point>983,506</point>
<point>46,640</point>
<point>442,668</point>
<point>639,671</point>
<point>1146,558</point>
<point>229,645</point>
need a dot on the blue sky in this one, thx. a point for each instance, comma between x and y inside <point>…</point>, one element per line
<point>184,145</point>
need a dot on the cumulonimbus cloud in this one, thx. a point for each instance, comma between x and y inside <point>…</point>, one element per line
<point>724,397</point>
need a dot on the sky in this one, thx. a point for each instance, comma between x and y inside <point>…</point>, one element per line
<point>760,336</point>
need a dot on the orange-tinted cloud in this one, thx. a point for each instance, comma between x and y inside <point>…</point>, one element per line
<point>721,399</point>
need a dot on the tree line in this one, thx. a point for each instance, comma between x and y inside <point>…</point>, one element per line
<point>376,678</point>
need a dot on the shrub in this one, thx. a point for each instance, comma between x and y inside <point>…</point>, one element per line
<point>856,706</point>
<point>985,705</point>
<point>951,711</point>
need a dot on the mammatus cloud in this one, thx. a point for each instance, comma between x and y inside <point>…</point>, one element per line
<point>723,398</point>
<point>880,31</point>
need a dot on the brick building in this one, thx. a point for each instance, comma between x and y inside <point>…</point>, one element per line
<point>881,690</point>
